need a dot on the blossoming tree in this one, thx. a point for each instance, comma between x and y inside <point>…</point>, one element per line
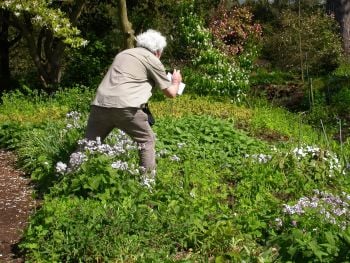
<point>47,31</point>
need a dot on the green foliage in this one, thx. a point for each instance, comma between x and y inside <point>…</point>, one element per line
<point>313,32</point>
<point>341,100</point>
<point>34,107</point>
<point>185,212</point>
<point>212,72</point>
<point>28,106</point>
<point>165,17</point>
<point>262,76</point>
<point>41,148</point>
<point>205,138</point>
<point>34,124</point>
<point>282,125</point>
<point>331,98</point>
<point>42,13</point>
<point>337,90</point>
<point>87,65</point>
<point>93,61</point>
<point>319,231</point>
<point>74,98</point>
<point>76,230</point>
<point>11,134</point>
<point>220,194</point>
<point>234,29</point>
<point>267,185</point>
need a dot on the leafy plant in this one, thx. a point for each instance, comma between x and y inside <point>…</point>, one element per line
<point>235,29</point>
<point>213,72</point>
<point>314,40</point>
<point>220,194</point>
<point>316,228</point>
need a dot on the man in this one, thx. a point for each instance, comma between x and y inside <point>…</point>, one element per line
<point>124,91</point>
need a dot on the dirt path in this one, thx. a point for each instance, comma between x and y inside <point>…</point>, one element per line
<point>16,203</point>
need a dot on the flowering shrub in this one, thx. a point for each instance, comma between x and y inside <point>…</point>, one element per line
<point>213,72</point>
<point>42,14</point>
<point>321,164</point>
<point>315,227</point>
<point>123,147</point>
<point>329,208</point>
<point>233,29</point>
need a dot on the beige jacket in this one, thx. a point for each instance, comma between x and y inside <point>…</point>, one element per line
<point>130,79</point>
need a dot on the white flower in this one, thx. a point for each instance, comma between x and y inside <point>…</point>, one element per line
<point>278,222</point>
<point>162,152</point>
<point>181,144</point>
<point>148,179</point>
<point>56,28</point>
<point>193,194</point>
<point>84,43</point>
<point>61,168</point>
<point>120,165</point>
<point>148,183</point>
<point>175,158</point>
<point>37,18</point>
<point>7,3</point>
<point>76,159</point>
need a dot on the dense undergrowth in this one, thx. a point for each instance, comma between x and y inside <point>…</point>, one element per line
<point>235,182</point>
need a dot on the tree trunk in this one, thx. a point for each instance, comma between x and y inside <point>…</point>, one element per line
<point>341,10</point>
<point>126,26</point>
<point>5,74</point>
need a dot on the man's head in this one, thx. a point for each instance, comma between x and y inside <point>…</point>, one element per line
<point>152,40</point>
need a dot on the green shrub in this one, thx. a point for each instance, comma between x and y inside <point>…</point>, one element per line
<point>263,76</point>
<point>75,98</point>
<point>186,211</point>
<point>317,37</point>
<point>315,228</point>
<point>75,230</point>
<point>234,29</point>
<point>212,72</point>
<point>87,66</point>
<point>341,101</point>
<point>337,90</point>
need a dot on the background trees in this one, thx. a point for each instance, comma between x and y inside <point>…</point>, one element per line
<point>341,10</point>
<point>7,40</point>
<point>72,42</point>
<point>46,30</point>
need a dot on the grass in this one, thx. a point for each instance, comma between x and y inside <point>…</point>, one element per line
<point>260,120</point>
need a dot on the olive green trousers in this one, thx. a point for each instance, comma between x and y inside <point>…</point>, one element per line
<point>133,121</point>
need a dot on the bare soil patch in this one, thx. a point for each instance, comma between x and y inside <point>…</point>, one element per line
<point>16,204</point>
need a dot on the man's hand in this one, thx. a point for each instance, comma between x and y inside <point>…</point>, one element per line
<point>176,77</point>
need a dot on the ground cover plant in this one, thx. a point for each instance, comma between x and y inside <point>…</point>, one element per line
<point>234,183</point>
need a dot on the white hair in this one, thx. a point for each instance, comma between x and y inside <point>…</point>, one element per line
<point>152,40</point>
